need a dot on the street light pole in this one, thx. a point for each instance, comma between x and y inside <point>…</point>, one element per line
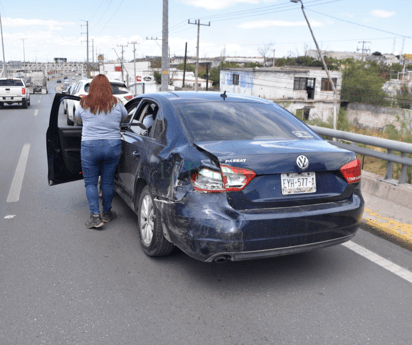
<point>24,57</point>
<point>324,66</point>
<point>4,57</point>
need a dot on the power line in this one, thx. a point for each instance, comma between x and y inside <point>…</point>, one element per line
<point>97,10</point>
<point>365,26</point>
<point>104,13</point>
<point>111,17</point>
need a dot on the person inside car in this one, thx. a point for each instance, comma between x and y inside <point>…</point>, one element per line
<point>101,114</point>
<point>150,117</point>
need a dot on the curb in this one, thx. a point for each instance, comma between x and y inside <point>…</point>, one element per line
<point>389,229</point>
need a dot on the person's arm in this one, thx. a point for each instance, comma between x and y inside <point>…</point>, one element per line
<point>123,111</point>
<point>78,115</point>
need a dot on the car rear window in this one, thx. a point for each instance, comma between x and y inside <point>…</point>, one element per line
<point>117,89</point>
<point>241,121</point>
<point>10,82</point>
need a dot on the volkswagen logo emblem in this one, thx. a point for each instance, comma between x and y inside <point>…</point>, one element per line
<point>302,162</point>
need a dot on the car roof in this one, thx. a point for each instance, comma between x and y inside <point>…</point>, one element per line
<point>206,96</point>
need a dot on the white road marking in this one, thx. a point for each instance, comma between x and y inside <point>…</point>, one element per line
<point>38,101</point>
<point>11,216</point>
<point>15,189</point>
<point>36,112</point>
<point>379,260</point>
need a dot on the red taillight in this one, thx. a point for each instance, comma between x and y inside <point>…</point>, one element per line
<point>352,171</point>
<point>23,91</point>
<point>128,97</point>
<point>229,179</point>
<point>236,179</point>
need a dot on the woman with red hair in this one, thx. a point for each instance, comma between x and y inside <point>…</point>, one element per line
<point>101,114</point>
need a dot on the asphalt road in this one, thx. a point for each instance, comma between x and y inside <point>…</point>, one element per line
<point>61,283</point>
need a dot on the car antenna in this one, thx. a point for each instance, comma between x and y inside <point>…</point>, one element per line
<point>223,95</point>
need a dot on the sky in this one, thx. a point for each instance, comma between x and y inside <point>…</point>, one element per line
<point>42,30</point>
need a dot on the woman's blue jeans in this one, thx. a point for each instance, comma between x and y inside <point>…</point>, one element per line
<point>100,157</point>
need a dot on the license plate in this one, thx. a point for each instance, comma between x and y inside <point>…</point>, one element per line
<point>294,183</point>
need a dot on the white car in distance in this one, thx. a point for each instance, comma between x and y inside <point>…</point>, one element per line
<point>81,89</point>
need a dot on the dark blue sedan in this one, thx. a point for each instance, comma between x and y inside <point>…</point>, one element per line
<point>223,176</point>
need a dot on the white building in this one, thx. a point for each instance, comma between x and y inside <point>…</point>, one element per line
<point>176,77</point>
<point>305,88</point>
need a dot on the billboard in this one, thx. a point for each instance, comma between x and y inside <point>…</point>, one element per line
<point>60,60</point>
<point>118,68</point>
<point>100,57</point>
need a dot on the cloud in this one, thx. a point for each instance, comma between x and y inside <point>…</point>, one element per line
<point>260,24</point>
<point>219,4</point>
<point>382,13</point>
<point>21,22</point>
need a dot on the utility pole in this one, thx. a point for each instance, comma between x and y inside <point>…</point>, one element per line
<point>165,46</point>
<point>363,47</point>
<point>134,62</point>
<point>122,46</point>
<point>24,56</point>
<point>93,51</point>
<point>324,66</point>
<point>2,44</point>
<point>197,22</point>
<point>184,66</point>
<point>87,49</point>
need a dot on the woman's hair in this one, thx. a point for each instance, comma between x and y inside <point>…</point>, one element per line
<point>100,98</point>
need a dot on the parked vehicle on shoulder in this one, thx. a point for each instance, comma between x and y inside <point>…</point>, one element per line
<point>81,89</point>
<point>14,90</point>
<point>223,176</point>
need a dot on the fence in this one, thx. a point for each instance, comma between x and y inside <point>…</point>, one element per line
<point>389,145</point>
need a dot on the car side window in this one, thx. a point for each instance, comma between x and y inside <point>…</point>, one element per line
<point>135,126</point>
<point>148,116</point>
<point>158,126</point>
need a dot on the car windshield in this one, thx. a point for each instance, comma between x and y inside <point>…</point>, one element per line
<point>215,121</point>
<point>117,88</point>
<point>10,82</point>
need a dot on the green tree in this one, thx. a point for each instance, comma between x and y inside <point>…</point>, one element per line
<point>404,97</point>
<point>158,77</point>
<point>362,83</point>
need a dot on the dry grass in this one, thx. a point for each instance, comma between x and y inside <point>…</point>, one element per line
<point>375,165</point>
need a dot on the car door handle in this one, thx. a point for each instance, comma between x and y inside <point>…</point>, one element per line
<point>136,154</point>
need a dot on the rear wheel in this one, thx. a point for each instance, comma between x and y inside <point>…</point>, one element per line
<point>150,228</point>
<point>24,104</point>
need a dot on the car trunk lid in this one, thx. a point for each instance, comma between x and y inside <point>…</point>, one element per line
<point>272,160</point>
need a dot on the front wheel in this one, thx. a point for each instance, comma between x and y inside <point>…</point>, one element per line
<point>150,228</point>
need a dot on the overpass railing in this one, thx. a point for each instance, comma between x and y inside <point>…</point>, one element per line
<point>389,145</point>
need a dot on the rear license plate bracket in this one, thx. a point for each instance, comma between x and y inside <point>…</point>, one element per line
<point>298,183</point>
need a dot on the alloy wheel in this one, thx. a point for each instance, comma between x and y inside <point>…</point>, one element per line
<point>147,220</point>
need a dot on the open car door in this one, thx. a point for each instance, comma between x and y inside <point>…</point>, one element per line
<point>63,146</point>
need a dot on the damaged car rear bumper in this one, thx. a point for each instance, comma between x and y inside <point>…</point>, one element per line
<point>207,228</point>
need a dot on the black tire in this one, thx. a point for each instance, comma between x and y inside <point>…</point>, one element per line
<point>24,104</point>
<point>29,102</point>
<point>64,110</point>
<point>157,245</point>
<point>1,105</point>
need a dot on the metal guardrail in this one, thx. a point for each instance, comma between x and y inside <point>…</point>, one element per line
<point>390,145</point>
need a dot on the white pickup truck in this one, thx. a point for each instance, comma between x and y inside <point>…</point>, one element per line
<point>13,90</point>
